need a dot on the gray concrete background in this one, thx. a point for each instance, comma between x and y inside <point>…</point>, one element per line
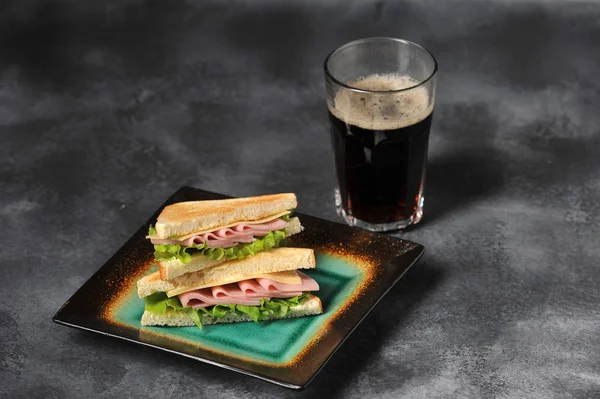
<point>108,107</point>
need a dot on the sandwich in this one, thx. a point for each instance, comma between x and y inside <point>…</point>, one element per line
<point>266,286</point>
<point>191,236</point>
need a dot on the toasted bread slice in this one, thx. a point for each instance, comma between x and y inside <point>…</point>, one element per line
<point>309,307</point>
<point>170,269</point>
<point>275,260</point>
<point>187,217</point>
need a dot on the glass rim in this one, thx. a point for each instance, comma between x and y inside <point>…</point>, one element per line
<point>329,75</point>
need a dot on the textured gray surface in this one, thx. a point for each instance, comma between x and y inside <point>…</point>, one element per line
<point>108,107</point>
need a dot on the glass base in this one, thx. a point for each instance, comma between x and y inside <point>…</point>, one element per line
<point>378,227</point>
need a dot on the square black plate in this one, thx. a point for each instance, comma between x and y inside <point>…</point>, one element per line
<point>355,269</point>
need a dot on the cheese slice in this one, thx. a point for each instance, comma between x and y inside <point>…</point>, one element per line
<point>259,221</point>
<point>285,277</point>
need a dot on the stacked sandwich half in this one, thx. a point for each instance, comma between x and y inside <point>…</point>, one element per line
<point>224,261</point>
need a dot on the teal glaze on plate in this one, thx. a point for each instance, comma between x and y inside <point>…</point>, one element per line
<point>276,342</point>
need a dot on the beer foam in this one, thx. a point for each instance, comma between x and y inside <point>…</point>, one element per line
<point>382,111</point>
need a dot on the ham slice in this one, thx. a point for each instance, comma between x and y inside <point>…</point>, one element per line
<point>227,291</point>
<point>203,298</point>
<point>229,236</point>
<point>272,286</point>
<point>251,288</point>
<point>246,292</point>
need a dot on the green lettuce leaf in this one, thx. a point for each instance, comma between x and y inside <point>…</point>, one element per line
<point>159,303</point>
<point>195,316</point>
<point>221,311</point>
<point>277,308</point>
<point>174,251</point>
<point>252,311</point>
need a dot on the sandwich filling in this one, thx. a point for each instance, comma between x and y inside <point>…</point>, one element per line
<point>227,237</point>
<point>246,292</point>
<point>231,242</point>
<point>259,298</point>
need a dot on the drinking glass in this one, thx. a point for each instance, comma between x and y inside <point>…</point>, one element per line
<point>380,97</point>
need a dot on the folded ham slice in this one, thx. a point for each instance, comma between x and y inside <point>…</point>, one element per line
<point>246,292</point>
<point>204,297</point>
<point>307,284</point>
<point>229,236</point>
